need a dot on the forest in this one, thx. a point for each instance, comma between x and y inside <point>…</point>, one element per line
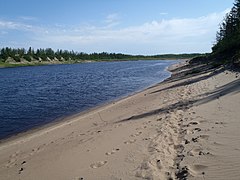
<point>226,50</point>
<point>27,56</point>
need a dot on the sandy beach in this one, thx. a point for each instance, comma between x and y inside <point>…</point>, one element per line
<point>186,127</point>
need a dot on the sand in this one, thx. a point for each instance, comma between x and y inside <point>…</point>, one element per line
<point>185,127</point>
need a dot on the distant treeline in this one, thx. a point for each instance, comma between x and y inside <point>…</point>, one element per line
<point>228,36</point>
<point>226,50</point>
<point>18,55</point>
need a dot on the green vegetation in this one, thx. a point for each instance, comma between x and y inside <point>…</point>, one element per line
<point>226,50</point>
<point>10,57</point>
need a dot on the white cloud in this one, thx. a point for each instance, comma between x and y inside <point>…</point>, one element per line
<point>112,20</point>
<point>158,36</point>
<point>13,25</point>
<point>31,30</point>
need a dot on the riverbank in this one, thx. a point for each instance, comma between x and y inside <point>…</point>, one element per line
<point>56,62</point>
<point>36,63</point>
<point>15,57</point>
<point>186,126</point>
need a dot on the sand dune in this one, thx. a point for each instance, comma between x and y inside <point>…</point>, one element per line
<point>185,127</point>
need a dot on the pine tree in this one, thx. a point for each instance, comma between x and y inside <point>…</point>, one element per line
<point>228,36</point>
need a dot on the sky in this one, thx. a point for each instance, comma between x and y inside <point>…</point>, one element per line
<point>144,27</point>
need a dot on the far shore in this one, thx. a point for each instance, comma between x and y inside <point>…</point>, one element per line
<point>44,63</point>
<point>185,127</point>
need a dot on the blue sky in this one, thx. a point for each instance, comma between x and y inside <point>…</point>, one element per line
<point>121,26</point>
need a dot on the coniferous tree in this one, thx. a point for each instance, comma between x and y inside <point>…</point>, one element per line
<point>228,37</point>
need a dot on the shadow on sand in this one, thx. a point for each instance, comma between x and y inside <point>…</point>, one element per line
<point>188,82</point>
<point>230,88</point>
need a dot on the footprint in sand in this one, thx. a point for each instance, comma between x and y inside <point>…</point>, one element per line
<point>190,113</point>
<point>194,123</point>
<point>197,169</point>
<point>118,125</point>
<point>220,123</point>
<point>195,139</point>
<point>205,137</point>
<point>35,150</point>
<point>130,141</point>
<point>98,164</point>
<point>182,173</point>
<point>137,134</point>
<point>112,152</point>
<point>78,178</point>
<point>13,159</point>
<point>147,138</point>
<point>196,130</point>
<point>146,123</point>
<point>20,170</point>
<point>95,132</point>
<point>11,162</point>
<point>195,151</point>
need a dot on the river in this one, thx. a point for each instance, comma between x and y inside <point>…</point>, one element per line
<point>34,96</point>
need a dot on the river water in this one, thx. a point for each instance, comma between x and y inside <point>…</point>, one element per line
<point>34,96</point>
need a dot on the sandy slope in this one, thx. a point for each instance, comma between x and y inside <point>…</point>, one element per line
<point>184,127</point>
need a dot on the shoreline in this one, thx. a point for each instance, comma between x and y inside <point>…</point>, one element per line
<point>179,128</point>
<point>64,119</point>
<point>32,64</point>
